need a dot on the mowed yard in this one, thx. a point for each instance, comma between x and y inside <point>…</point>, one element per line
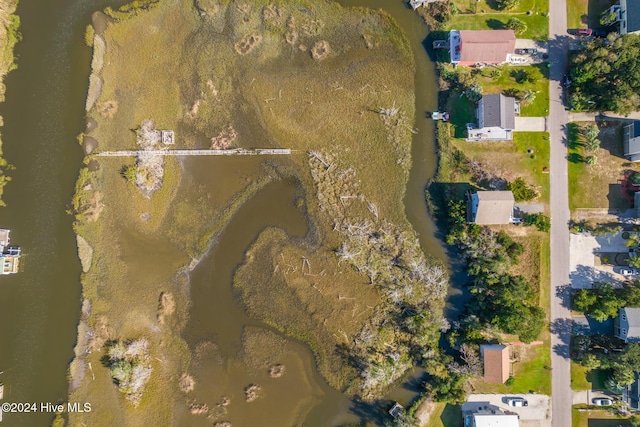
<point>586,13</point>
<point>598,186</point>
<point>582,417</point>
<point>485,15</point>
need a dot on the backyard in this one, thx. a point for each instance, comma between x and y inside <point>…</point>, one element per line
<point>445,415</point>
<point>585,379</point>
<point>598,185</point>
<point>484,15</point>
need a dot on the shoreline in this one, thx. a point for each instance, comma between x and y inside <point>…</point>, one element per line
<point>9,37</point>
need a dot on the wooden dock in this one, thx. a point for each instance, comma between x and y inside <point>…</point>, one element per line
<point>230,152</point>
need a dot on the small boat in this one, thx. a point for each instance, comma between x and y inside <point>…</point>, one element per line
<point>436,115</point>
<point>9,255</point>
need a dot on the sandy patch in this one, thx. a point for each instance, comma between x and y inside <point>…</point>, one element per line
<point>85,253</point>
<point>248,43</point>
<point>320,50</point>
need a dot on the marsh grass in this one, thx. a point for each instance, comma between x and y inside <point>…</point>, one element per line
<point>179,66</point>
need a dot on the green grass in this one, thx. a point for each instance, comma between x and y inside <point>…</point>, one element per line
<point>537,25</point>
<point>585,379</point>
<point>582,417</point>
<point>462,111</point>
<point>490,6</point>
<point>597,186</point>
<point>538,160</point>
<point>445,415</point>
<point>586,13</point>
<point>506,81</point>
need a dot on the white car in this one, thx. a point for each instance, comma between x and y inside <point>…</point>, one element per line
<point>517,401</point>
<point>602,401</point>
<point>628,271</point>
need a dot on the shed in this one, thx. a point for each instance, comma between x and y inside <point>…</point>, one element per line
<point>496,363</point>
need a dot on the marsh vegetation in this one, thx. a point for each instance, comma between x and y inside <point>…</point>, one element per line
<point>334,84</point>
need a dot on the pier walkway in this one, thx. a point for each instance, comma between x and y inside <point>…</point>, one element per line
<point>230,152</point>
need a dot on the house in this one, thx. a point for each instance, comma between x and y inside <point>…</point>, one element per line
<point>494,420</point>
<point>491,207</point>
<point>471,47</point>
<point>627,15</point>
<point>496,117</point>
<point>631,140</point>
<point>627,325</point>
<point>496,363</point>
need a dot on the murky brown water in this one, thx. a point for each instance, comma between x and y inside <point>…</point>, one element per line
<point>39,308</point>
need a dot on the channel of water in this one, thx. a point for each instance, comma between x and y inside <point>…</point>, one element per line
<point>43,112</point>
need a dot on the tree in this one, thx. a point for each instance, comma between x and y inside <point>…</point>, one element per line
<point>540,220</point>
<point>606,75</point>
<point>634,261</point>
<point>521,191</point>
<point>608,18</point>
<point>591,160</point>
<point>590,361</point>
<point>404,419</point>
<point>517,25</point>
<point>527,97</point>
<point>584,300</point>
<point>590,133</point>
<point>508,4</point>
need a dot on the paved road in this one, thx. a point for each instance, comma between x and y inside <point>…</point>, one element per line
<point>560,315</point>
<point>585,117</point>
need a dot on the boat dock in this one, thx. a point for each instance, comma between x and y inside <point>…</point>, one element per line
<point>228,152</point>
<point>9,255</point>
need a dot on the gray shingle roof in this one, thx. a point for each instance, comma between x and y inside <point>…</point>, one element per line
<point>499,110</point>
<point>633,321</point>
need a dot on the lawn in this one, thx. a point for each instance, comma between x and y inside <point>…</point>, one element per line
<point>597,186</point>
<point>445,415</point>
<point>537,25</point>
<point>585,379</point>
<point>505,81</point>
<point>490,6</point>
<point>596,418</point>
<point>509,160</point>
<point>586,13</point>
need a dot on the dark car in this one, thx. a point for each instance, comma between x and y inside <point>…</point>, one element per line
<point>600,33</point>
<point>526,51</point>
<point>584,32</point>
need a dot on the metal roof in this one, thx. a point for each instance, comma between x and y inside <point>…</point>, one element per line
<point>494,207</point>
<point>490,420</point>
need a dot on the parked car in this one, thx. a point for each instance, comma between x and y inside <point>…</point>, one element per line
<point>517,401</point>
<point>602,401</point>
<point>526,51</point>
<point>584,32</point>
<point>628,271</point>
<point>600,33</point>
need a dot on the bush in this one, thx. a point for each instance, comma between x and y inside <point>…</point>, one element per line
<point>539,220</point>
<point>521,191</point>
<point>510,381</point>
<point>517,25</point>
<point>635,178</point>
<point>508,4</point>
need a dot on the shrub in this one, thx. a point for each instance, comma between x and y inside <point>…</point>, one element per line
<point>510,381</point>
<point>635,178</point>
<point>539,220</point>
<point>591,160</point>
<point>508,4</point>
<point>517,25</point>
<point>521,191</point>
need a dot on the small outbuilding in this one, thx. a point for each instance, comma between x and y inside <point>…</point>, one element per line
<point>496,363</point>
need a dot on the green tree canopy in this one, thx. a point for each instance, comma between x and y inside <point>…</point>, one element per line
<point>517,25</point>
<point>606,75</point>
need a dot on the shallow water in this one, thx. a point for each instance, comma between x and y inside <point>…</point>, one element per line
<point>39,308</point>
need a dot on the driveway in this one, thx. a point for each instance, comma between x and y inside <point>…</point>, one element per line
<point>584,270</point>
<point>538,408</point>
<point>587,396</point>
<point>531,124</point>
<point>560,316</point>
